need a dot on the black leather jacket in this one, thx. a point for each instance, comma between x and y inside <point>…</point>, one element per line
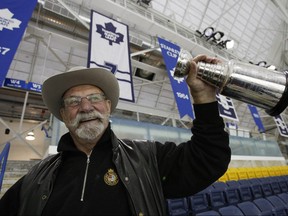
<point>126,155</point>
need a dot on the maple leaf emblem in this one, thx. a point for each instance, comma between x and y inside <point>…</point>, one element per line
<point>6,20</point>
<point>109,33</point>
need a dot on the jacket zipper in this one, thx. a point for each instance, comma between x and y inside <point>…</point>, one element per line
<point>85,177</point>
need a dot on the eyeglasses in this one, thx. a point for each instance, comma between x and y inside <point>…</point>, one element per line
<point>75,101</point>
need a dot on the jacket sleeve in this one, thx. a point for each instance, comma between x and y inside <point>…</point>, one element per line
<point>9,203</point>
<point>189,167</point>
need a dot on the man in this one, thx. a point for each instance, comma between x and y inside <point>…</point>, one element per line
<point>95,173</point>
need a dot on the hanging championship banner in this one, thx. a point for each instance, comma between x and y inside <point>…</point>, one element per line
<point>14,17</point>
<point>281,125</point>
<point>109,48</point>
<point>226,107</point>
<point>256,117</point>
<point>170,53</point>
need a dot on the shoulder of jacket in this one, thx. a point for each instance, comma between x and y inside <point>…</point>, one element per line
<point>142,145</point>
<point>50,159</point>
<point>45,162</point>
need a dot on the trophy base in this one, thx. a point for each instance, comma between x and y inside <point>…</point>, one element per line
<point>282,104</point>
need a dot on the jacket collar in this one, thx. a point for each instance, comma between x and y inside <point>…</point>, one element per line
<point>66,142</point>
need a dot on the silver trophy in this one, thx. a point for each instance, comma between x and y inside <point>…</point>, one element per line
<point>245,82</point>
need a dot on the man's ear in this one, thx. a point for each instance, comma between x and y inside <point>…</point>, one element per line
<point>109,105</point>
<point>62,113</point>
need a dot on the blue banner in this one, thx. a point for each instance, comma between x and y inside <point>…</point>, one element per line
<point>256,117</point>
<point>14,17</point>
<point>21,84</point>
<point>281,125</point>
<point>31,86</point>
<point>3,161</point>
<point>14,83</point>
<point>226,107</point>
<point>170,53</point>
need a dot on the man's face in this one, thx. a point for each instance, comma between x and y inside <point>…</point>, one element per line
<point>85,111</point>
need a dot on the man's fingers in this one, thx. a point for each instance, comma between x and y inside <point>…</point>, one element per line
<point>200,58</point>
<point>206,59</point>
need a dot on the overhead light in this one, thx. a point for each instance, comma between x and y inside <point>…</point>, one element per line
<point>216,36</point>
<point>30,136</point>
<point>208,31</point>
<point>271,67</point>
<point>229,44</point>
<point>262,63</point>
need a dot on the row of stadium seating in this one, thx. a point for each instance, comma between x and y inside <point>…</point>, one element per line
<point>253,172</point>
<point>247,196</point>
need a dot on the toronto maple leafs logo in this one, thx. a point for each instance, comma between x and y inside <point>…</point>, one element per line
<point>178,79</point>
<point>280,123</point>
<point>6,20</point>
<point>109,33</point>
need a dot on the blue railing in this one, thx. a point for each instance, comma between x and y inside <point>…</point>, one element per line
<point>3,162</point>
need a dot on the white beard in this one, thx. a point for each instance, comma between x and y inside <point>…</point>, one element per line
<point>89,130</point>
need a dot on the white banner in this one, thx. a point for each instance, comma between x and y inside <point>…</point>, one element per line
<point>109,48</point>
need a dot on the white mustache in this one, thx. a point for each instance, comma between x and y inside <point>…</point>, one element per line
<point>87,116</point>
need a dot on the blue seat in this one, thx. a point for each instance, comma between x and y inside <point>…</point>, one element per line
<point>233,183</point>
<point>230,210</point>
<point>266,189</point>
<point>277,202</point>
<point>177,207</point>
<point>243,181</point>
<point>216,198</point>
<point>198,202</point>
<point>245,192</point>
<point>283,197</point>
<point>208,213</point>
<point>232,195</point>
<point>265,206</point>
<point>274,185</point>
<point>249,208</point>
<point>282,183</point>
<point>219,185</point>
<point>283,186</point>
<point>254,181</point>
<point>256,190</point>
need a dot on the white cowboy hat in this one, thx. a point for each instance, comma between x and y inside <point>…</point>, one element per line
<point>54,87</point>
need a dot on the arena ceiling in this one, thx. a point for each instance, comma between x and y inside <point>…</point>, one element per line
<point>57,39</point>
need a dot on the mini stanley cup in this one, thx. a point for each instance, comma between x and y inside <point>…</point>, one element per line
<point>248,83</point>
